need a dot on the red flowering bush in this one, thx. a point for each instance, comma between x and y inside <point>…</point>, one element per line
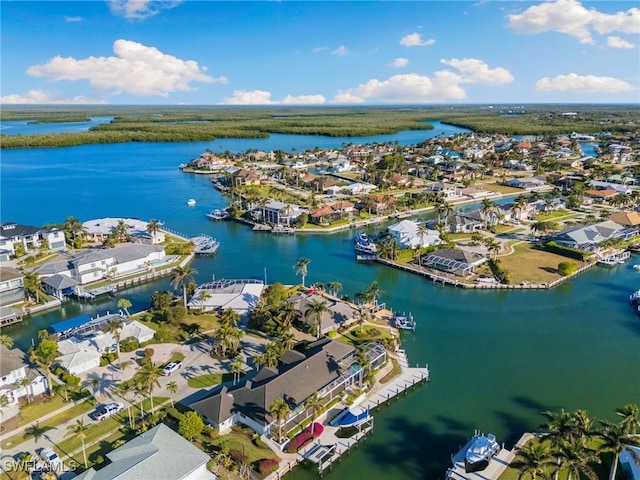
<point>267,466</point>
<point>304,437</point>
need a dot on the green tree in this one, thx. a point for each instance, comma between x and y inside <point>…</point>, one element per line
<point>182,276</point>
<point>315,310</point>
<point>148,376</point>
<point>172,388</point>
<point>574,459</point>
<point>114,327</point>
<point>615,439</point>
<point>6,340</point>
<point>190,425</point>
<point>33,286</point>
<point>334,287</point>
<point>44,355</point>
<point>314,404</point>
<point>629,418</point>
<point>153,227</point>
<point>236,368</point>
<point>566,268</point>
<point>534,460</point>
<point>79,430</point>
<point>125,304</point>
<point>279,411</point>
<point>301,268</point>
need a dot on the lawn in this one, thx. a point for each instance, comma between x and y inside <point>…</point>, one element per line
<point>528,264</point>
<point>241,440</point>
<point>556,215</point>
<point>209,380</point>
<point>504,189</point>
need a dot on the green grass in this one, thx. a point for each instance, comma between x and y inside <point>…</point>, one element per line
<point>209,380</point>
<point>241,439</point>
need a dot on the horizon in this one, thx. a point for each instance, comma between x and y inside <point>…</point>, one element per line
<point>323,54</point>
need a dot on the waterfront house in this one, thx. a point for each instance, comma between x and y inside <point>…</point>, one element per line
<point>407,234</point>
<point>529,183</point>
<point>463,223</point>
<point>448,190</point>
<point>336,211</point>
<point>338,313</point>
<point>587,237</point>
<point>459,262</point>
<point>326,366</point>
<point>628,219</point>
<point>60,286</point>
<point>605,186</point>
<point>241,295</point>
<point>11,286</point>
<point>242,176</point>
<point>157,453</point>
<point>275,212</point>
<point>18,378</point>
<point>13,234</point>
<point>97,230</point>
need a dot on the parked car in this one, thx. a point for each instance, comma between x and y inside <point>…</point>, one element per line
<point>50,457</point>
<point>107,410</point>
<point>171,367</point>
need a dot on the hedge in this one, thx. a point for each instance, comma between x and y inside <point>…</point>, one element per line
<point>553,247</point>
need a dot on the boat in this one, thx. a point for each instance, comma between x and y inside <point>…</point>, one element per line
<point>205,245</point>
<point>635,297</point>
<point>351,417</point>
<point>480,452</point>
<point>403,321</point>
<point>362,238</point>
<point>636,266</point>
<point>191,202</point>
<point>364,245</point>
<point>217,214</point>
<point>282,229</point>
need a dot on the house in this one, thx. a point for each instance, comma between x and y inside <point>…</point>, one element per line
<point>99,229</point>
<point>60,286</point>
<point>11,286</point>
<point>448,190</point>
<point>17,377</point>
<point>628,219</point>
<point>13,234</point>
<point>528,182</point>
<point>456,261</point>
<point>326,366</point>
<point>82,352</point>
<point>600,195</point>
<point>338,313</point>
<point>158,453</point>
<point>242,176</point>
<point>357,188</point>
<point>408,235</point>
<point>275,212</point>
<point>239,295</point>
<point>462,223</point>
<point>587,237</point>
<point>604,186</point>
<point>336,211</point>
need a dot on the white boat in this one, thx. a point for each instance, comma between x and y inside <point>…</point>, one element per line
<point>364,245</point>
<point>403,321</point>
<point>217,214</point>
<point>191,202</point>
<point>479,454</point>
<point>283,229</point>
<point>205,245</point>
<point>637,266</point>
<point>635,297</point>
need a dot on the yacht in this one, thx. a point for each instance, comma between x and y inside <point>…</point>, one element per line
<point>479,454</point>
<point>403,321</point>
<point>364,245</point>
<point>205,245</point>
<point>191,202</point>
<point>635,297</point>
<point>217,214</point>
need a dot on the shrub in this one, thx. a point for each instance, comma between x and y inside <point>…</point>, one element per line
<point>267,466</point>
<point>129,344</point>
<point>567,268</point>
<point>148,352</point>
<point>238,455</point>
<point>304,437</point>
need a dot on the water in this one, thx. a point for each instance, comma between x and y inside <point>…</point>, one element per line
<point>24,127</point>
<point>497,358</point>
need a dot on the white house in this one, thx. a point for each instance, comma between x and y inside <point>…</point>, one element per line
<point>17,377</point>
<point>11,286</point>
<point>407,234</point>
<point>98,230</point>
<point>12,233</point>
<point>54,237</point>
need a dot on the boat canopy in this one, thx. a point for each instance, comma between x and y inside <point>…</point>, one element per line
<point>69,324</point>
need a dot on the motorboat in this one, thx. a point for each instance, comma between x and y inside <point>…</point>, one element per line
<point>480,452</point>
<point>352,417</point>
<point>191,202</point>
<point>217,214</point>
<point>205,245</point>
<point>635,297</point>
<point>364,245</point>
<point>636,266</point>
<point>403,321</point>
<point>362,238</point>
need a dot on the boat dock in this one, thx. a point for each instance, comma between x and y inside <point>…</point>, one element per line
<point>9,316</point>
<point>95,292</point>
<point>496,467</point>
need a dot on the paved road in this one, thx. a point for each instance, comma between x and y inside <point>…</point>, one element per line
<point>196,362</point>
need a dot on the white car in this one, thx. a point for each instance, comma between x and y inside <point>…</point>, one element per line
<point>106,411</point>
<point>50,457</point>
<point>171,367</point>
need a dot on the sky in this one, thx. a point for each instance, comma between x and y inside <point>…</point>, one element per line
<point>198,52</point>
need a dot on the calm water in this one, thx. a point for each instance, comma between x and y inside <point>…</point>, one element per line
<point>497,358</point>
<point>23,127</point>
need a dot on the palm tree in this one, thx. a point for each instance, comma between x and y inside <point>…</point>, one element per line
<point>148,376</point>
<point>44,355</point>
<point>229,317</point>
<point>315,310</point>
<point>182,276</point>
<point>73,229</point>
<point>486,210</point>
<point>315,404</point>
<point>301,268</point>
<point>124,304</point>
<point>203,296</point>
<point>334,287</point>
<point>123,389</point>
<point>79,429</point>
<point>279,411</point>
<point>228,337</point>
<point>172,388</point>
<point>630,418</point>
<point>236,368</point>
<point>615,439</point>
<point>574,458</point>
<point>534,459</point>
<point>153,227</point>
<point>373,292</point>
<point>33,285</point>
<point>114,327</point>
<point>6,340</point>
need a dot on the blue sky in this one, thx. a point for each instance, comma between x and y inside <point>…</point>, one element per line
<point>319,53</point>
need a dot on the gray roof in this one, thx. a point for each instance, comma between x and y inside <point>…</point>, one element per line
<point>60,282</point>
<point>590,234</point>
<point>294,382</point>
<point>123,254</point>
<point>12,359</point>
<point>338,312</point>
<point>159,453</point>
<point>457,255</point>
<point>9,273</point>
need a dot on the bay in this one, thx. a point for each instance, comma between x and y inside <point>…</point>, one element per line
<point>497,358</point>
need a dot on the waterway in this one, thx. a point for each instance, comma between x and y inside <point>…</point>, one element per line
<point>497,358</point>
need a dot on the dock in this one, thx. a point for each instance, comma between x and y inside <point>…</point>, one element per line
<point>9,316</point>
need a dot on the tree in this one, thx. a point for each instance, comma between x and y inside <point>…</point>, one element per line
<point>190,425</point>
<point>182,276</point>
<point>74,230</point>
<point>315,405</point>
<point>535,460</point>
<point>44,355</point>
<point>574,458</point>
<point>123,389</point>
<point>372,292</point>
<point>149,375</point>
<point>236,368</point>
<point>229,317</point>
<point>487,208</point>
<point>79,430</point>
<point>172,388</point>
<point>315,310</point>
<point>6,340</point>
<point>279,411</point>
<point>301,268</point>
<point>615,439</point>
<point>114,327</point>
<point>161,300</point>
<point>203,296</point>
<point>33,286</point>
<point>334,287</point>
<point>630,418</point>
<point>153,227</point>
<point>125,305</point>
<point>566,268</point>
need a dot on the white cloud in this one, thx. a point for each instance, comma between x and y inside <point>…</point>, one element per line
<point>477,71</point>
<point>582,84</point>
<point>319,49</point>
<point>140,9</point>
<point>407,88</point>
<point>42,97</point>
<point>136,69</point>
<point>400,62</point>
<point>617,42</point>
<point>340,51</point>
<point>263,97</point>
<point>72,19</point>
<point>415,40</point>
<point>572,18</point>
